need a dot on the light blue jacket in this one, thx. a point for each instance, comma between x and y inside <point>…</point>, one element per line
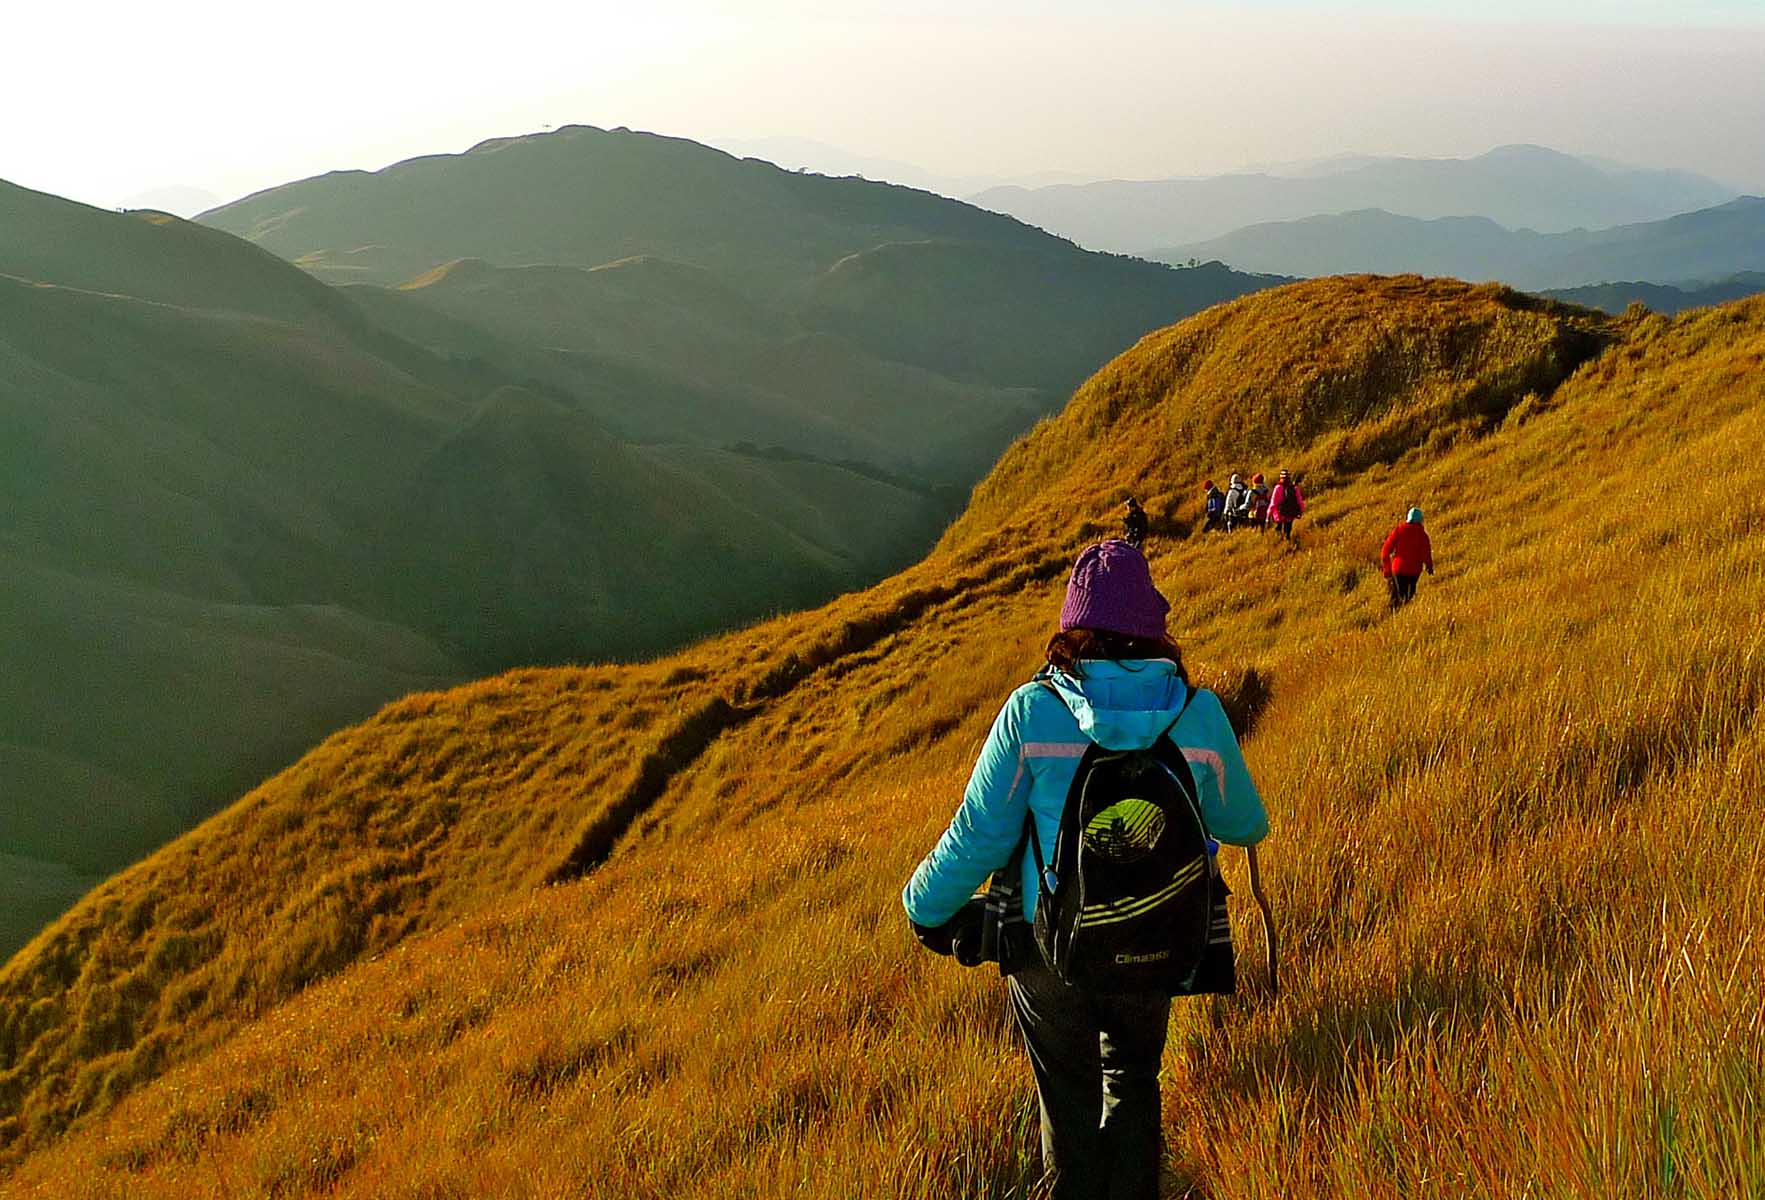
<point>1033,752</point>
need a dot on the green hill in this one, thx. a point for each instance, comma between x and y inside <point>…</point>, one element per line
<point>150,256</point>
<point>635,930</point>
<point>839,317</point>
<point>584,197</point>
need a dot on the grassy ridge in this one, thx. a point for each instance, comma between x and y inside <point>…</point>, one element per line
<point>1516,854</point>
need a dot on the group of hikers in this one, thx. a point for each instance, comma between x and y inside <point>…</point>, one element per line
<point>1253,505</point>
<point>1094,815</point>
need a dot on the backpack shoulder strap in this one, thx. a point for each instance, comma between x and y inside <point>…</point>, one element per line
<point>1169,746</point>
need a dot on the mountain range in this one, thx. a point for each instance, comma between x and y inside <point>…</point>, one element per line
<point>1519,187</point>
<point>1662,297</point>
<point>635,930</point>
<point>248,503</point>
<point>787,295</point>
<point>1707,245</point>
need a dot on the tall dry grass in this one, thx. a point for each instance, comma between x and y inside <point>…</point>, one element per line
<point>1516,861</point>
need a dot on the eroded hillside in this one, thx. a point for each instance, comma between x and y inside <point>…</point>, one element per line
<point>1495,979</point>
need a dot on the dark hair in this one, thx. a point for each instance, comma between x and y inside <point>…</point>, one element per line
<point>1067,647</point>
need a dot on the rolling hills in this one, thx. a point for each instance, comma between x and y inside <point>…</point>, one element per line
<point>1519,187</point>
<point>1709,244</point>
<point>560,398</point>
<point>830,315</point>
<point>242,513</point>
<point>633,930</point>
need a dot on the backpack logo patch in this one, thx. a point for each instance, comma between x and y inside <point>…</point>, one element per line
<point>1125,831</point>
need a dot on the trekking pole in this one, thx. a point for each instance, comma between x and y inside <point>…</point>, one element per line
<point>1268,917</point>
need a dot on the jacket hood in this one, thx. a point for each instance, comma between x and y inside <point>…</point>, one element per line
<point>1123,705</point>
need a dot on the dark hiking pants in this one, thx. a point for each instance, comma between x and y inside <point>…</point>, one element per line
<point>1403,589</point>
<point>1096,1062</point>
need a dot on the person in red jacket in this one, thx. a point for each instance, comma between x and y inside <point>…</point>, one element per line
<point>1405,555</point>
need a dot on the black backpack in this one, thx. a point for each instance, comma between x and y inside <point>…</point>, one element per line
<point>1130,900</point>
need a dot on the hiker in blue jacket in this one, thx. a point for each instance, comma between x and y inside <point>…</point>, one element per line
<point>1117,680</point>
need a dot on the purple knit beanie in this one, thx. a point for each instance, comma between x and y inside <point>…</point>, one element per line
<point>1111,589</point>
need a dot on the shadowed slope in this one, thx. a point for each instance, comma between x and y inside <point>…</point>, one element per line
<point>716,367</point>
<point>1496,982</point>
<point>240,514</point>
<point>150,255</point>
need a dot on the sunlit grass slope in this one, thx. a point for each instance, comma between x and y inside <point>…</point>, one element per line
<point>1516,858</point>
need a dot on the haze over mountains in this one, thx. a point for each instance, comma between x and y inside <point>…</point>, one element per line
<point>1709,244</point>
<point>581,395</point>
<point>1519,187</point>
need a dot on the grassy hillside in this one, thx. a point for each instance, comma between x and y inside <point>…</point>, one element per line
<point>240,514</point>
<point>1515,861</point>
<point>151,256</point>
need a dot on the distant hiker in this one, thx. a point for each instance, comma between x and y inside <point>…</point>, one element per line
<point>1214,505</point>
<point>1259,503</point>
<point>1237,503</point>
<point>1111,720</point>
<point>1286,503</point>
<point>1406,554</point>
<point>1135,525</point>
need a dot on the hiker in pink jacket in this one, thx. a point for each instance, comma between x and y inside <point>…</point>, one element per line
<point>1286,503</point>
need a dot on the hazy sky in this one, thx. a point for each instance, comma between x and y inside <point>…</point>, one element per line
<point>104,101</point>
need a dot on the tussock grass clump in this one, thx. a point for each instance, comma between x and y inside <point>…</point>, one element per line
<point>1516,864</point>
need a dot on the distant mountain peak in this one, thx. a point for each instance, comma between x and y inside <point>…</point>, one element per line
<point>1527,150</point>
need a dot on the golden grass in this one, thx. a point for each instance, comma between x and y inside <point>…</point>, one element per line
<point>1516,856</point>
